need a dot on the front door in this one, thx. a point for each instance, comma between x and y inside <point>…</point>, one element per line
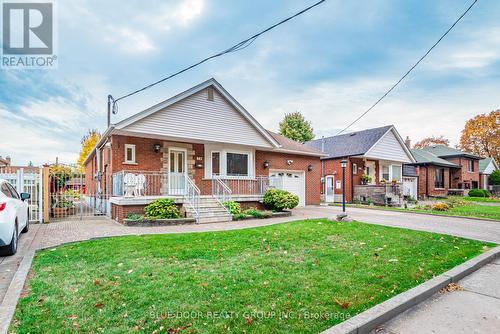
<point>329,189</point>
<point>177,171</point>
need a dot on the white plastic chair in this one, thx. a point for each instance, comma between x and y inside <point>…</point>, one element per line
<point>129,184</point>
<point>139,187</point>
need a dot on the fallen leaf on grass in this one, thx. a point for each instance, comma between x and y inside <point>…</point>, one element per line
<point>342,305</point>
<point>178,329</point>
<point>99,305</point>
<point>73,317</point>
<point>248,321</point>
<point>204,284</point>
<point>97,282</point>
<point>393,260</point>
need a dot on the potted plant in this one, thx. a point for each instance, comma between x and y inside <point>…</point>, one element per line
<point>394,181</point>
<point>383,181</point>
<point>365,179</point>
<point>63,207</point>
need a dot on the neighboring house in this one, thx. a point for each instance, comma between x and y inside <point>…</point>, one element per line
<point>7,167</point>
<point>434,174</point>
<point>467,177</point>
<point>445,171</point>
<point>486,167</point>
<point>379,153</point>
<point>197,147</point>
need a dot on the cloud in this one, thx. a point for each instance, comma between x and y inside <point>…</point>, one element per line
<point>180,14</point>
<point>129,40</point>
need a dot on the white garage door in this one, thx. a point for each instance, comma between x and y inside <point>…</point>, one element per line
<point>289,181</point>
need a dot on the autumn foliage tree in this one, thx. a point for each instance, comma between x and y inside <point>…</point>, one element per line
<point>89,141</point>
<point>295,127</point>
<point>429,141</point>
<point>481,135</point>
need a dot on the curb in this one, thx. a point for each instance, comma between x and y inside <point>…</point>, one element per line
<point>383,312</point>
<point>424,213</point>
<point>9,303</point>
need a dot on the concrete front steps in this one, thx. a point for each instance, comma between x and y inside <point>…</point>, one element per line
<point>211,211</point>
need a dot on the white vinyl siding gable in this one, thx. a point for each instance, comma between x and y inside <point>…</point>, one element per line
<point>490,169</point>
<point>195,117</point>
<point>389,148</point>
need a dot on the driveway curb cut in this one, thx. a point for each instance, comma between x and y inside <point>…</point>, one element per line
<point>383,312</point>
<point>9,303</point>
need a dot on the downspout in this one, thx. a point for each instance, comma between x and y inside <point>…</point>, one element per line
<point>426,181</point>
<point>323,167</point>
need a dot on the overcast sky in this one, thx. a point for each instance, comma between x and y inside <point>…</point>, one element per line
<point>330,64</point>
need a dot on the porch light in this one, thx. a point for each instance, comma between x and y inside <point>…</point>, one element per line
<point>310,168</point>
<point>343,163</point>
<point>157,148</point>
<point>266,164</point>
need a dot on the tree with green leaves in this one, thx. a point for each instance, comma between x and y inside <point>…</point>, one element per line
<point>295,127</point>
<point>495,177</point>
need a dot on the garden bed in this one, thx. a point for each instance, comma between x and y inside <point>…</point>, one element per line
<point>148,222</point>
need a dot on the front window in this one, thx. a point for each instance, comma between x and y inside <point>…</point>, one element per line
<point>354,169</point>
<point>385,173</point>
<point>470,165</point>
<point>215,163</point>
<point>237,164</point>
<point>396,173</point>
<point>439,178</point>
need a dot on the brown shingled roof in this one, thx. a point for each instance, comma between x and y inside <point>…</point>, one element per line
<point>288,144</point>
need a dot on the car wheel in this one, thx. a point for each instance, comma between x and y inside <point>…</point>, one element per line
<point>27,227</point>
<point>10,249</point>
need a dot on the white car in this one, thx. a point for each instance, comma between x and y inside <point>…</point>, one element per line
<point>14,217</point>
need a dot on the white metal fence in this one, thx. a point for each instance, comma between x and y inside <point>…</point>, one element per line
<point>28,183</point>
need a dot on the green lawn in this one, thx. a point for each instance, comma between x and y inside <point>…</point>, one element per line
<point>480,199</point>
<point>299,277</point>
<point>473,210</point>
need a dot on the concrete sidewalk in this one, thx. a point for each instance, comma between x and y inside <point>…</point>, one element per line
<point>475,309</point>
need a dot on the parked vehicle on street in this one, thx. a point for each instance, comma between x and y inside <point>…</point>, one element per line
<point>14,217</point>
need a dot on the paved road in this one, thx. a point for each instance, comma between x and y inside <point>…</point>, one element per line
<point>475,309</point>
<point>48,235</point>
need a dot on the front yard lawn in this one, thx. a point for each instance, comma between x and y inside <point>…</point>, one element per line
<point>299,277</point>
<point>473,210</point>
<point>480,199</point>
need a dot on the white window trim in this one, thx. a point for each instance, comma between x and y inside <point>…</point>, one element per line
<point>354,169</point>
<point>223,150</point>
<point>390,165</point>
<point>125,160</point>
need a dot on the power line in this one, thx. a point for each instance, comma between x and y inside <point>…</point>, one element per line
<point>410,70</point>
<point>237,47</point>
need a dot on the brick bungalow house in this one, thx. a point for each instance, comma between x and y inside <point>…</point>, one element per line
<point>486,167</point>
<point>200,147</point>
<point>444,170</point>
<point>378,153</point>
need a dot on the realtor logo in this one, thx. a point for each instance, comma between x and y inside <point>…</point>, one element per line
<point>27,35</point>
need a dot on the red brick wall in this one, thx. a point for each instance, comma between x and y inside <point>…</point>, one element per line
<point>462,176</point>
<point>426,182</point>
<point>332,167</point>
<point>146,158</point>
<point>300,163</point>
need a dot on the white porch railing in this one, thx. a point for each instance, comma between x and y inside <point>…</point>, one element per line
<point>192,196</point>
<point>140,183</point>
<point>243,185</point>
<point>220,191</point>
